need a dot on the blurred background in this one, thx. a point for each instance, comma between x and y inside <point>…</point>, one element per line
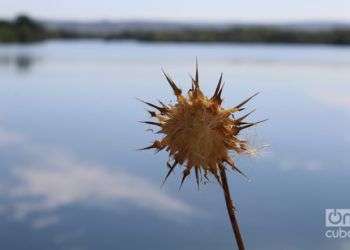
<point>70,72</point>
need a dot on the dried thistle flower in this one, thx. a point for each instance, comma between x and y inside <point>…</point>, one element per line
<point>198,133</point>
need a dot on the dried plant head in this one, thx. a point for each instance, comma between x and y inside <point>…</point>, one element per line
<point>198,132</point>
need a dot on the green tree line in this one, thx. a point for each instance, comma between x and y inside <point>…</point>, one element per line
<point>24,29</point>
<point>242,35</point>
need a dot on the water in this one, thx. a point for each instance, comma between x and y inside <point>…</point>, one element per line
<point>70,177</point>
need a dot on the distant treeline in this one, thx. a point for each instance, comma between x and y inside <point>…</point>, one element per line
<point>24,29</point>
<point>242,35</point>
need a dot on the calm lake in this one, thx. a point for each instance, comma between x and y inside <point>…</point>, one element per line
<point>71,177</point>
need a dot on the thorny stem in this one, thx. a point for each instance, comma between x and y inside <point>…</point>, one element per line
<point>231,209</point>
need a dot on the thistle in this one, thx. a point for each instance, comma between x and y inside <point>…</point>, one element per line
<point>199,134</point>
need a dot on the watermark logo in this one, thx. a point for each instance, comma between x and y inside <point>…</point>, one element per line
<point>337,222</point>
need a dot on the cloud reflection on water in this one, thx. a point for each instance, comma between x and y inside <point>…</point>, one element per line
<point>57,180</point>
<point>333,96</point>
<point>67,181</point>
<point>8,138</point>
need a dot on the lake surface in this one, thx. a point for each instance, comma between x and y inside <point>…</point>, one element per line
<point>71,177</point>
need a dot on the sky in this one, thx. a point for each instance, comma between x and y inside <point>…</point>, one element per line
<point>181,10</point>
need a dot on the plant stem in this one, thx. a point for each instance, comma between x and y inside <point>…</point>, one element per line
<point>231,209</point>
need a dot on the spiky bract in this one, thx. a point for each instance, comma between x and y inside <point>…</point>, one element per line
<point>198,132</point>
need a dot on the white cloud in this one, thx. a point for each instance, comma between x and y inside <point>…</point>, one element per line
<point>9,138</point>
<point>308,165</point>
<point>58,180</point>
<point>63,181</point>
<point>332,96</point>
<point>45,222</point>
<point>288,164</point>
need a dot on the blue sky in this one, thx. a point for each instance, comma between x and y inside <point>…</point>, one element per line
<point>205,10</point>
